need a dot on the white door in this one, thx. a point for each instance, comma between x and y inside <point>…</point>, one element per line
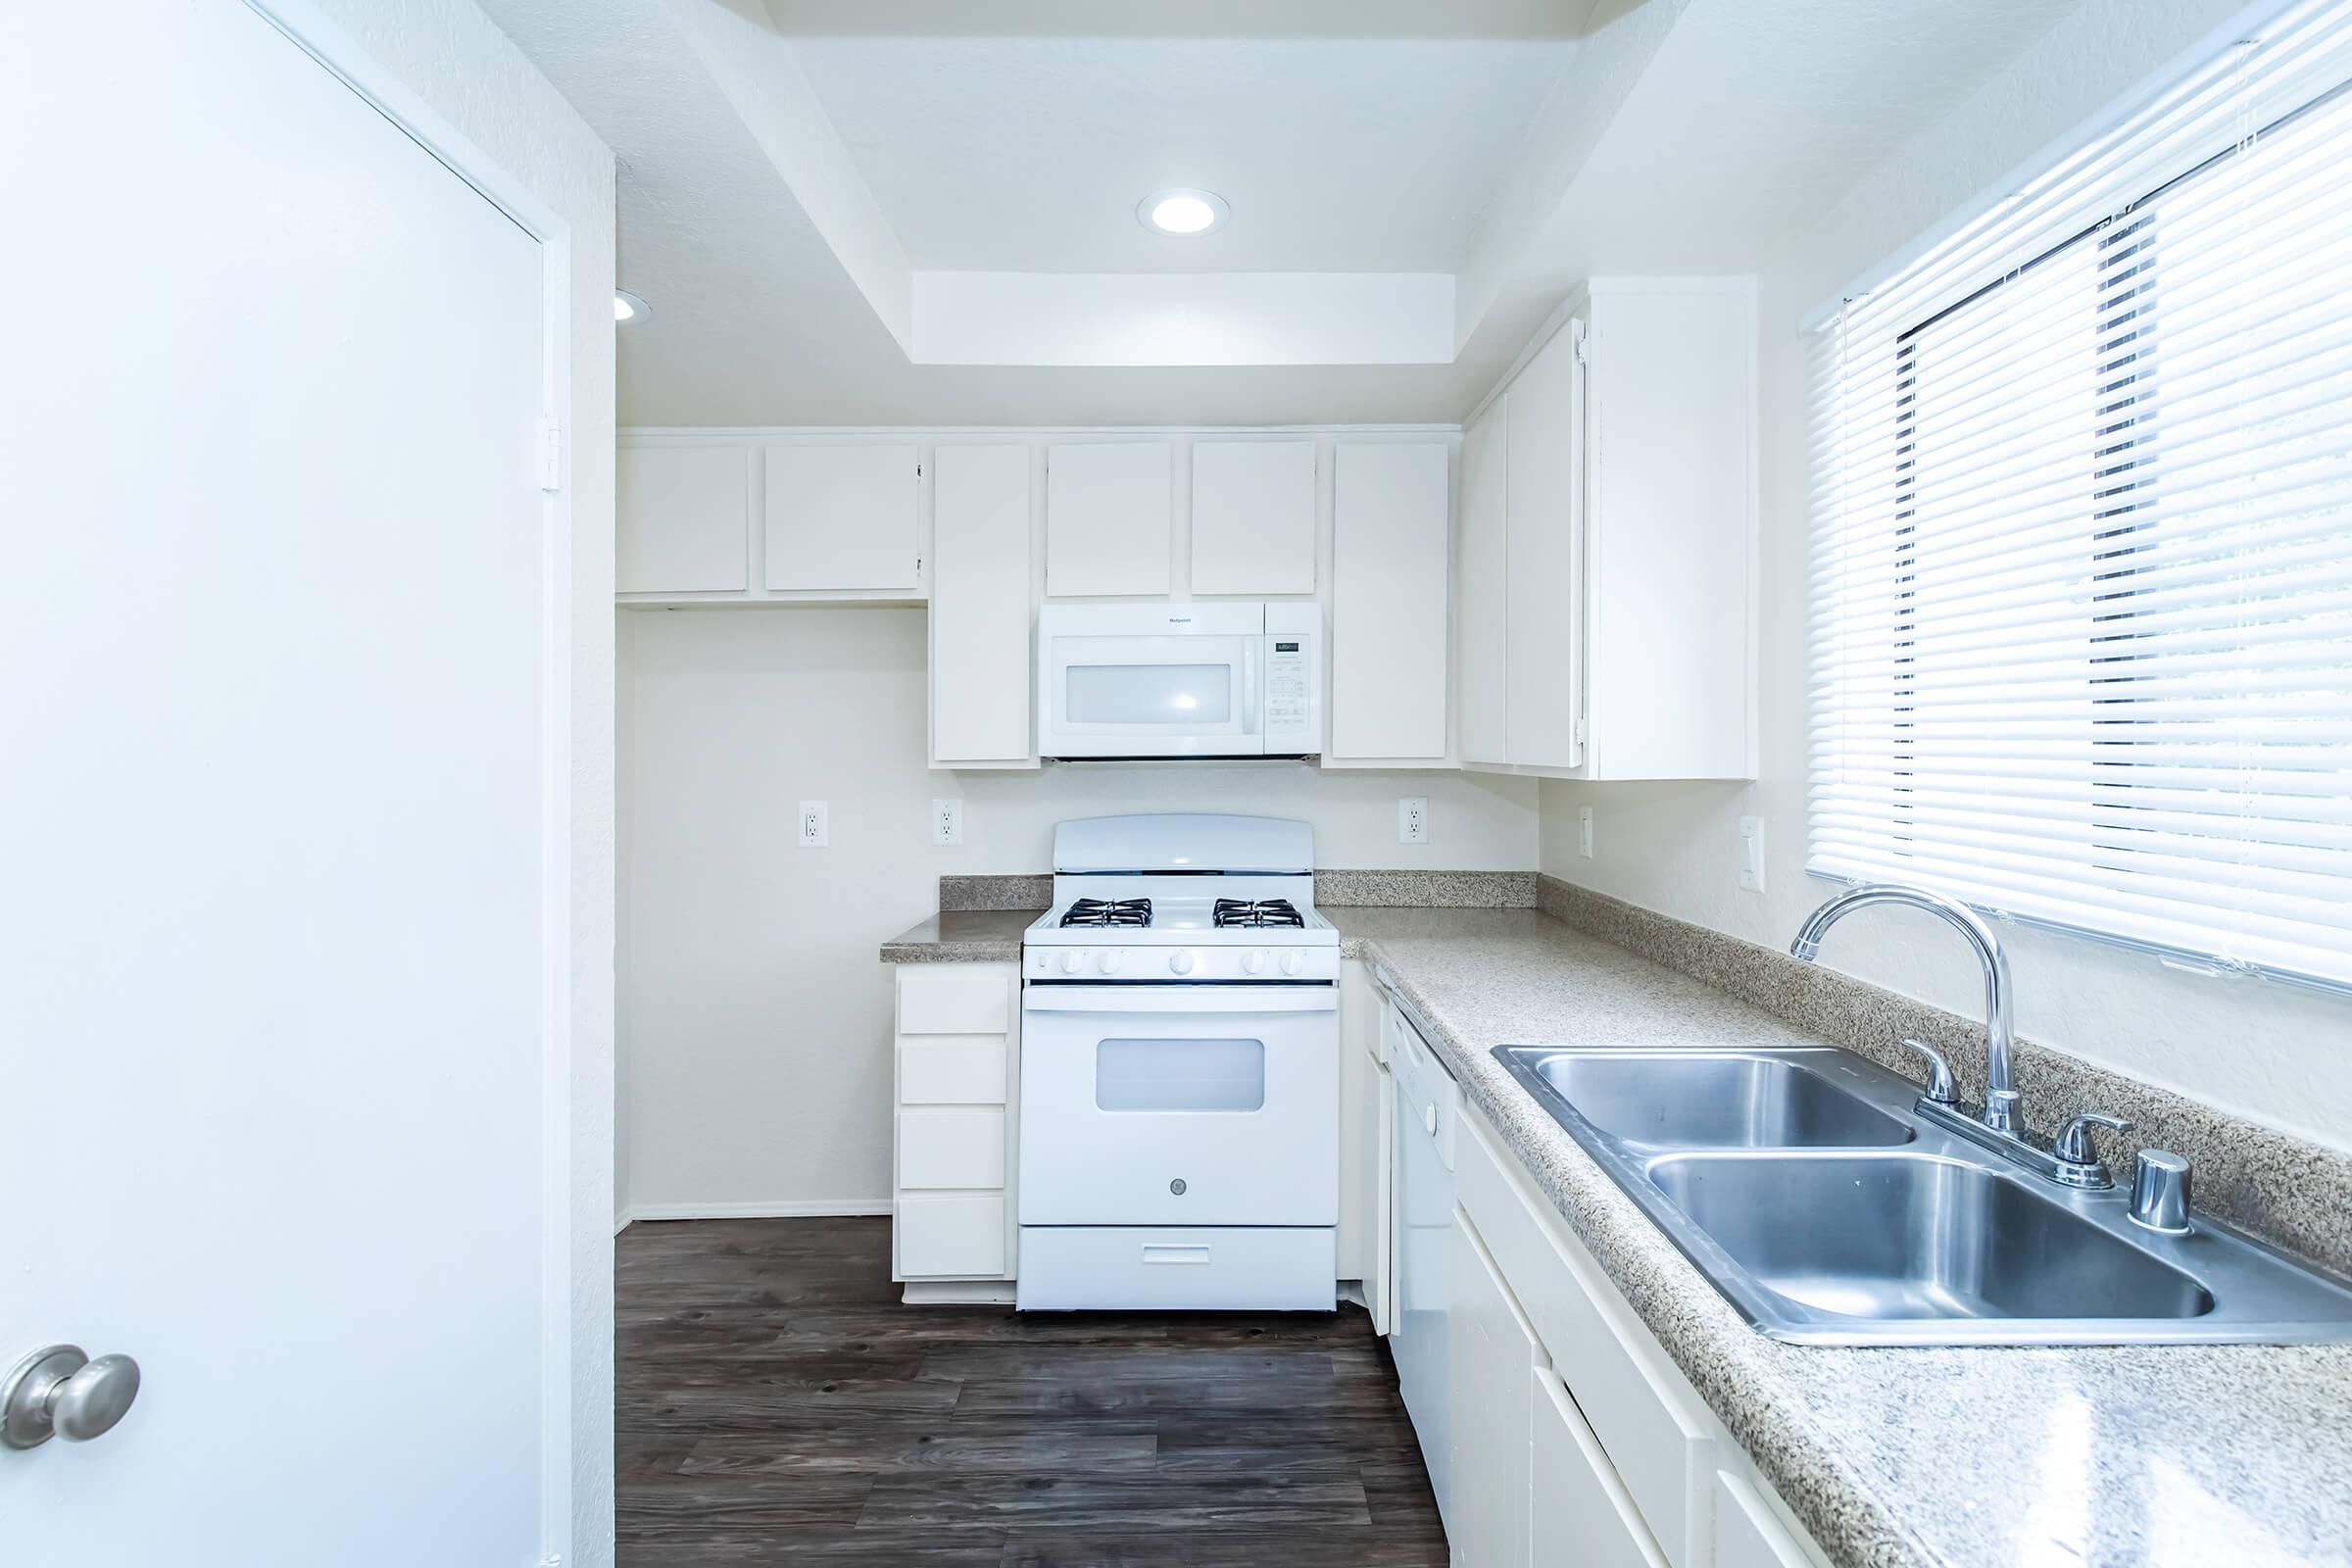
<point>274,711</point>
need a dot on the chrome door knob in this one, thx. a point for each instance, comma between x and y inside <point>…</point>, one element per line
<point>58,1392</point>
<point>1181,961</point>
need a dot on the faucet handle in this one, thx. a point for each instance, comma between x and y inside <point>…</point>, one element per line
<point>1940,1087</point>
<point>2160,1191</point>
<point>2074,1142</point>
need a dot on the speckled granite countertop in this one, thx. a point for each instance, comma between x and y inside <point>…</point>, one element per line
<point>2181,1456</point>
<point>963,936</point>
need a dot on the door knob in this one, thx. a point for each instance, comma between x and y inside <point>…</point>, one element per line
<point>59,1392</point>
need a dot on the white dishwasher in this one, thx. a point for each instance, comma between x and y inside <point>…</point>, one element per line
<point>1427,1111</point>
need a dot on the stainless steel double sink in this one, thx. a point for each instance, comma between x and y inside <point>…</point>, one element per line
<point>1807,1190</point>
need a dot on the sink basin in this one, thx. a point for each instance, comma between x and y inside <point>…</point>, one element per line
<point>1915,1236</point>
<point>1714,1100</point>
<point>1803,1183</point>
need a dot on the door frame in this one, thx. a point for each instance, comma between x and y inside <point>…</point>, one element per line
<point>307,28</point>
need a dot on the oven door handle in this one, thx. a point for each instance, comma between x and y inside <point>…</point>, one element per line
<point>1182,998</point>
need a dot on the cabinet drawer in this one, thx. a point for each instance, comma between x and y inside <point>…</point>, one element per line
<point>951,1234</point>
<point>940,1147</point>
<point>1748,1533</point>
<point>1652,1427</point>
<point>952,1070</point>
<point>1581,1514</point>
<point>954,1000</point>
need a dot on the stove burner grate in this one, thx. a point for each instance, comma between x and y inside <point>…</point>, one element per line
<point>1263,912</point>
<point>1108,912</point>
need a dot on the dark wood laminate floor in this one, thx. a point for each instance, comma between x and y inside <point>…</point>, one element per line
<point>779,1404</point>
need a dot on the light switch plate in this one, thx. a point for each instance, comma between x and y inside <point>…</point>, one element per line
<point>1752,854</point>
<point>815,829</point>
<point>1584,831</point>
<point>947,821</point>
<point>1412,820</point>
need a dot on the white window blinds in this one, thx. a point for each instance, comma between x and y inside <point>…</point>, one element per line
<point>2082,553</point>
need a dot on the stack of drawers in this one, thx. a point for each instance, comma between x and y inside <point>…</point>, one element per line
<point>958,1077</point>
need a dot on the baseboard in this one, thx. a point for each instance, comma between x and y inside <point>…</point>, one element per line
<point>768,1209</point>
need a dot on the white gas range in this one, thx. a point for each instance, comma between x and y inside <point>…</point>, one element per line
<point>1179,1039</point>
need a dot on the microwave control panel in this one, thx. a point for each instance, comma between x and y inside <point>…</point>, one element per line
<point>1294,667</point>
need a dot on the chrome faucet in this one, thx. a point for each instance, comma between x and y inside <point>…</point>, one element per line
<point>2001,1114</point>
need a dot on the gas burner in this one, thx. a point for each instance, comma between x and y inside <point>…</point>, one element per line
<point>1263,911</point>
<point>1108,912</point>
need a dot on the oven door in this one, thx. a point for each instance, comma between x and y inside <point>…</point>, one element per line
<point>1121,685</point>
<point>1148,1104</point>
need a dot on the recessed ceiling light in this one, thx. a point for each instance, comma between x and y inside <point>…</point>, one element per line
<point>1184,213</point>
<point>627,307</point>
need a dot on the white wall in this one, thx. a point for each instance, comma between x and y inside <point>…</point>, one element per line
<point>2263,1049</point>
<point>755,1017</point>
<point>448,53</point>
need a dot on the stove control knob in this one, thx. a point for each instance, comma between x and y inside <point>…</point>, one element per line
<point>1290,963</point>
<point>1071,961</point>
<point>1181,961</point>
<point>1108,963</point>
<point>1255,963</point>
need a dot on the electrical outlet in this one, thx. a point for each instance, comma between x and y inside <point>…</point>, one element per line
<point>1752,854</point>
<point>947,821</point>
<point>1584,831</point>
<point>1412,820</point>
<point>815,832</point>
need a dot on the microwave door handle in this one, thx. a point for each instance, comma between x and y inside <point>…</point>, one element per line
<point>1249,685</point>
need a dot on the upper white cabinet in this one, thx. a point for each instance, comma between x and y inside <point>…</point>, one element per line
<point>1108,513</point>
<point>1254,518</point>
<point>1623,566</point>
<point>844,516</point>
<point>684,516</point>
<point>980,602</point>
<point>1543,601</point>
<point>1388,599</point>
<point>1480,647</point>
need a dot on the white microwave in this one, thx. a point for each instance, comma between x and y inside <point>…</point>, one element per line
<point>1162,680</point>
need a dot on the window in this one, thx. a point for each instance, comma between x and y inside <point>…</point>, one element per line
<point>2083,571</point>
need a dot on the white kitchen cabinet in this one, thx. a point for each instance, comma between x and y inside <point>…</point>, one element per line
<point>1581,1511</point>
<point>1624,579</point>
<point>1480,648</point>
<point>1390,593</point>
<point>1108,517</point>
<point>1544,598</point>
<point>1254,518</point>
<point>684,519</point>
<point>981,688</point>
<point>954,1116</point>
<point>844,516</point>
<point>1749,1532</point>
<point>1494,1355</point>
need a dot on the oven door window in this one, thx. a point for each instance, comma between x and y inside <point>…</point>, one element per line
<point>1175,695</point>
<point>1163,1075</point>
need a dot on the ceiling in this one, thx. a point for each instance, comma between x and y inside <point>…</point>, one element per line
<point>851,212</point>
<point>1029,154</point>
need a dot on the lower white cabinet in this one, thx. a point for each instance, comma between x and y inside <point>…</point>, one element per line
<point>1570,1439</point>
<point>958,1088</point>
<point>1495,1356</point>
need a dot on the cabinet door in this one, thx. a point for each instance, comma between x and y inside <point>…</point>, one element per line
<point>1254,518</point>
<point>1389,598</point>
<point>844,516</point>
<point>1482,648</point>
<point>981,688</point>
<point>684,520</point>
<point>1544,521</point>
<point>1494,1357</point>
<point>1107,508</point>
<point>1747,1534</point>
<point>1583,1515</point>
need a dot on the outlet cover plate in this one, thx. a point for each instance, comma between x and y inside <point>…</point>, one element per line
<point>1412,820</point>
<point>816,824</point>
<point>947,821</point>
